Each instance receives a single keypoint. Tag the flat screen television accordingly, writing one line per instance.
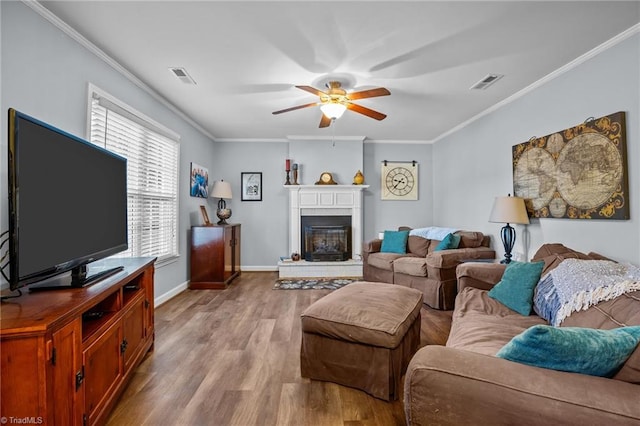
(67, 205)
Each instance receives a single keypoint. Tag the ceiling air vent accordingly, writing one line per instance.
(182, 75)
(486, 82)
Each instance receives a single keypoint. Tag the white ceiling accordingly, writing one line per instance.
(246, 57)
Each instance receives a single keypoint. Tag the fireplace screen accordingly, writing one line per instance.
(326, 243)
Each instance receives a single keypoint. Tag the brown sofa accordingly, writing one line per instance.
(432, 272)
(464, 383)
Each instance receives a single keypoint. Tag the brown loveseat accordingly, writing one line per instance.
(432, 272)
(465, 383)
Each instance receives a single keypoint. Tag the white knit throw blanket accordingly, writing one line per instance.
(577, 284)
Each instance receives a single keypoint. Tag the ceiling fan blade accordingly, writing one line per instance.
(366, 111)
(312, 90)
(325, 121)
(380, 91)
(295, 108)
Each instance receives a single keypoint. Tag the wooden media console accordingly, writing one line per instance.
(68, 354)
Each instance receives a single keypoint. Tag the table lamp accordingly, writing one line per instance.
(222, 190)
(508, 210)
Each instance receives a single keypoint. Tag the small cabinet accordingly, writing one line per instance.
(215, 256)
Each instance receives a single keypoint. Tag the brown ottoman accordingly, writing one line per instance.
(363, 336)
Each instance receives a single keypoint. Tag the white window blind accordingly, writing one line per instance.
(152, 175)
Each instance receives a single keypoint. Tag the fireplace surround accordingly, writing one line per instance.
(324, 201)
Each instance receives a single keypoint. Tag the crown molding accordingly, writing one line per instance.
(558, 72)
(293, 138)
(252, 140)
(399, 141)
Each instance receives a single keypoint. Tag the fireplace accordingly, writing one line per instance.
(326, 243)
(320, 205)
(325, 238)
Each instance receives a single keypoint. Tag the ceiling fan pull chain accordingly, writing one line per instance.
(333, 132)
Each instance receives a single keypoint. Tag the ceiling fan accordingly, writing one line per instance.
(336, 100)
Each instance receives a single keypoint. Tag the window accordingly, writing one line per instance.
(152, 153)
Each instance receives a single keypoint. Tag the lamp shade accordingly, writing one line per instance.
(333, 109)
(509, 210)
(221, 189)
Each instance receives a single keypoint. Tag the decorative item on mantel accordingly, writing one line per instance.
(222, 190)
(326, 178)
(294, 168)
(358, 179)
(287, 168)
(508, 210)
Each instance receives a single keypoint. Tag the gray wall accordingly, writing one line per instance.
(264, 224)
(389, 214)
(473, 165)
(44, 73)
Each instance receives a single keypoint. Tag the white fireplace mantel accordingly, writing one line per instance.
(326, 200)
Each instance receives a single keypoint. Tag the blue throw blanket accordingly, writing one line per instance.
(433, 232)
(577, 284)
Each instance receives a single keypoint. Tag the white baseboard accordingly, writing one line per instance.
(269, 268)
(163, 298)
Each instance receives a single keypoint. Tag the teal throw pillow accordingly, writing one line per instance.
(395, 242)
(450, 241)
(516, 288)
(578, 350)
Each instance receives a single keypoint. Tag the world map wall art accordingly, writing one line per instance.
(577, 173)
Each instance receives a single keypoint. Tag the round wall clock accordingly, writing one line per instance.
(399, 181)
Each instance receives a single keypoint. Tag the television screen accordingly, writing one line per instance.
(67, 201)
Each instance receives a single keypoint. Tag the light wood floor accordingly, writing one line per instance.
(231, 357)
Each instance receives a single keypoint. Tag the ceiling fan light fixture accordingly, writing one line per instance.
(333, 110)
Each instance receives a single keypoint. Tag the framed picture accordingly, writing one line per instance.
(199, 182)
(251, 186)
(205, 216)
(575, 173)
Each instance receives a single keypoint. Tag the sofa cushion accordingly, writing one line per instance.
(630, 371)
(376, 314)
(383, 260)
(418, 245)
(452, 258)
(515, 289)
(554, 253)
(549, 249)
(469, 239)
(415, 266)
(484, 325)
(552, 261)
(395, 242)
(622, 311)
(573, 349)
(451, 241)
